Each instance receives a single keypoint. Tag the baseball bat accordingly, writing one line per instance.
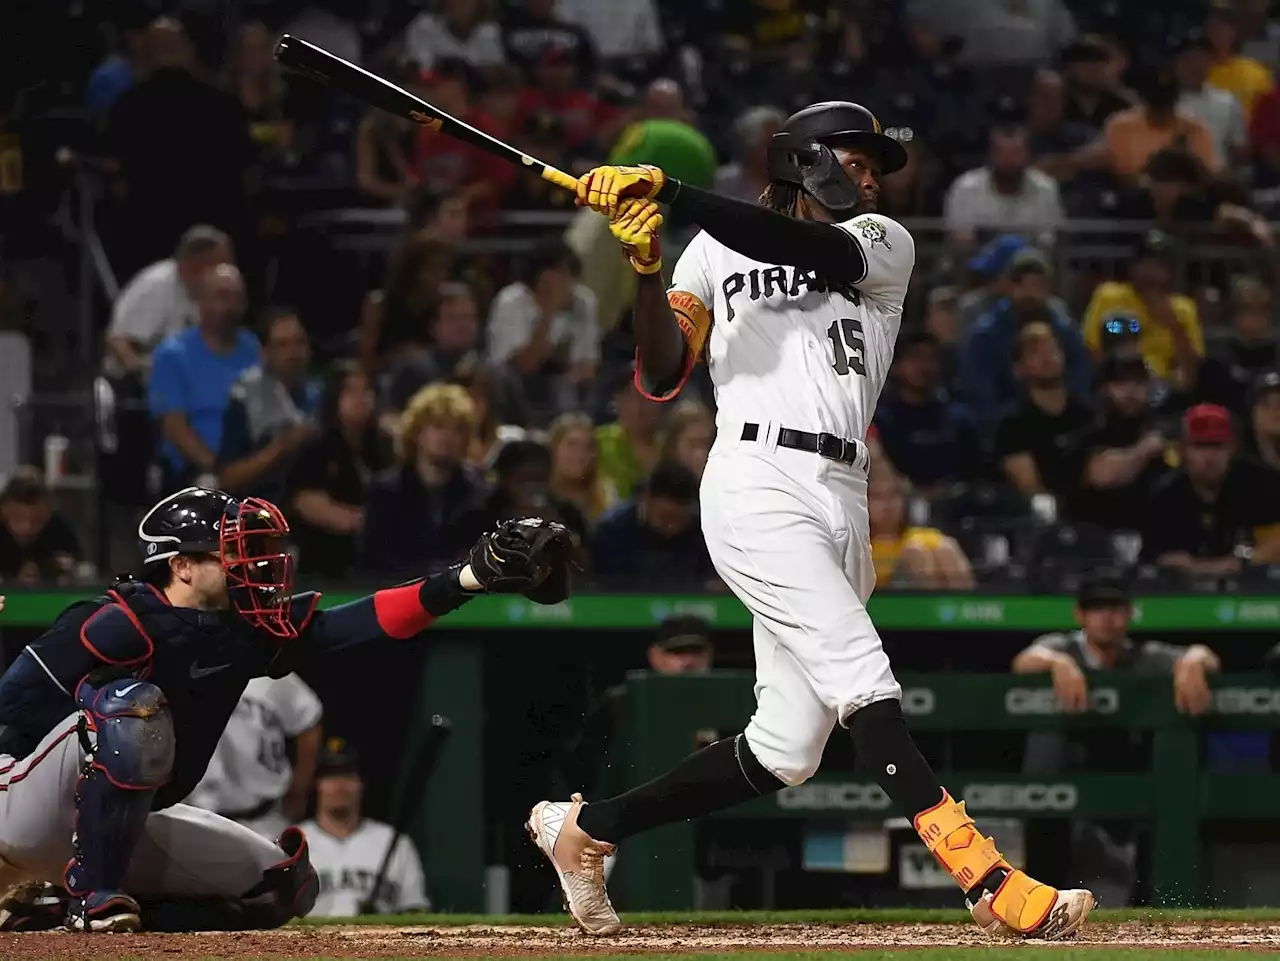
(322, 66)
(415, 786)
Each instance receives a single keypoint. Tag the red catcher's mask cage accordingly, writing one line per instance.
(251, 545)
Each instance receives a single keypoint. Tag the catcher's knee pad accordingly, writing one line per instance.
(790, 753)
(288, 889)
(126, 731)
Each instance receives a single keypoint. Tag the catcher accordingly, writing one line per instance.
(109, 719)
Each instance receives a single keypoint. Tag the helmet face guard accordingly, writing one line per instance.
(251, 546)
(813, 167)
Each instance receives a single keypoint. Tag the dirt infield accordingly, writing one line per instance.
(543, 941)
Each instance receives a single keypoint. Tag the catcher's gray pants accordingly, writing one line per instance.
(184, 851)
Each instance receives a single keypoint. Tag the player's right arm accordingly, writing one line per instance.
(671, 325)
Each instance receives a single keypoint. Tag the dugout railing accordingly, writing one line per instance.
(666, 717)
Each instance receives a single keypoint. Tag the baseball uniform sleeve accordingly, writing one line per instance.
(692, 274)
(407, 877)
(1157, 657)
(297, 705)
(888, 255)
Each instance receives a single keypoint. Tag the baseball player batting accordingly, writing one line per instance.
(109, 719)
(795, 305)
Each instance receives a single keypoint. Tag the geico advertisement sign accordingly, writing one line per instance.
(1247, 700)
(978, 797)
(1021, 701)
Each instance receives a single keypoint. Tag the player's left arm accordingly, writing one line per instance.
(410, 881)
(750, 229)
(531, 556)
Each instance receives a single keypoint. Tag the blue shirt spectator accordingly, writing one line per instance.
(192, 374)
(926, 435)
(986, 370)
(653, 541)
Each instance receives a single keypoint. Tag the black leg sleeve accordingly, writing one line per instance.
(717, 777)
(885, 748)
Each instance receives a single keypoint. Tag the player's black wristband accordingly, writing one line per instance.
(441, 593)
(765, 235)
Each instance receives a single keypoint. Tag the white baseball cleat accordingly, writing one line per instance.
(1069, 912)
(579, 862)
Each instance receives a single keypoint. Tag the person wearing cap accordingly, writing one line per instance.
(1249, 351)
(1216, 511)
(347, 848)
(1038, 441)
(1170, 336)
(1124, 450)
(1214, 107)
(1092, 93)
(1264, 419)
(1007, 193)
(1104, 854)
(987, 382)
(1243, 77)
(682, 645)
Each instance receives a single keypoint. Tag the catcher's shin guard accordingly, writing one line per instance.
(947, 830)
(126, 732)
(293, 885)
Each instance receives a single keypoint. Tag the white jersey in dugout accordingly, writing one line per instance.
(348, 866)
(783, 350)
(251, 764)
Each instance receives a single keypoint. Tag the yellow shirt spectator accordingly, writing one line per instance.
(1155, 341)
(1243, 77)
(885, 551)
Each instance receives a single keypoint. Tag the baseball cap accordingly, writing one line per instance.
(993, 259)
(1154, 243)
(682, 633)
(1089, 48)
(1268, 383)
(1193, 39)
(1028, 261)
(337, 757)
(1102, 590)
(1207, 424)
(1123, 365)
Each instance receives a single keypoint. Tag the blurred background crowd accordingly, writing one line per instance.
(214, 273)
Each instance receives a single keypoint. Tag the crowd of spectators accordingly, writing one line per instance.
(1125, 410)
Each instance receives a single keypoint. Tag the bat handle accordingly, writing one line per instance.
(560, 178)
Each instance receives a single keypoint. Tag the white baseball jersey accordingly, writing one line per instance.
(784, 350)
(348, 867)
(250, 764)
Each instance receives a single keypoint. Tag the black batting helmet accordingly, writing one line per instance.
(800, 153)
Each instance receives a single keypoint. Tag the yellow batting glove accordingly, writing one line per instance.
(603, 188)
(636, 227)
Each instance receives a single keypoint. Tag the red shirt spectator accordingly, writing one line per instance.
(583, 119)
(444, 163)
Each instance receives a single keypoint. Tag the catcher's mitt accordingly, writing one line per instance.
(530, 556)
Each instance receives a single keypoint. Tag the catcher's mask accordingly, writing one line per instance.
(801, 152)
(251, 545)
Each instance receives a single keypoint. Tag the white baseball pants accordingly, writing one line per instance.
(184, 850)
(788, 533)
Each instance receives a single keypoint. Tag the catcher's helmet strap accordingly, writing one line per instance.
(812, 166)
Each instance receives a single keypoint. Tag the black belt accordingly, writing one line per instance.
(261, 810)
(824, 445)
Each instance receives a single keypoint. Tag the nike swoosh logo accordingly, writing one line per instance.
(125, 691)
(198, 672)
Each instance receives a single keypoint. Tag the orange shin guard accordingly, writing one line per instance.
(947, 830)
